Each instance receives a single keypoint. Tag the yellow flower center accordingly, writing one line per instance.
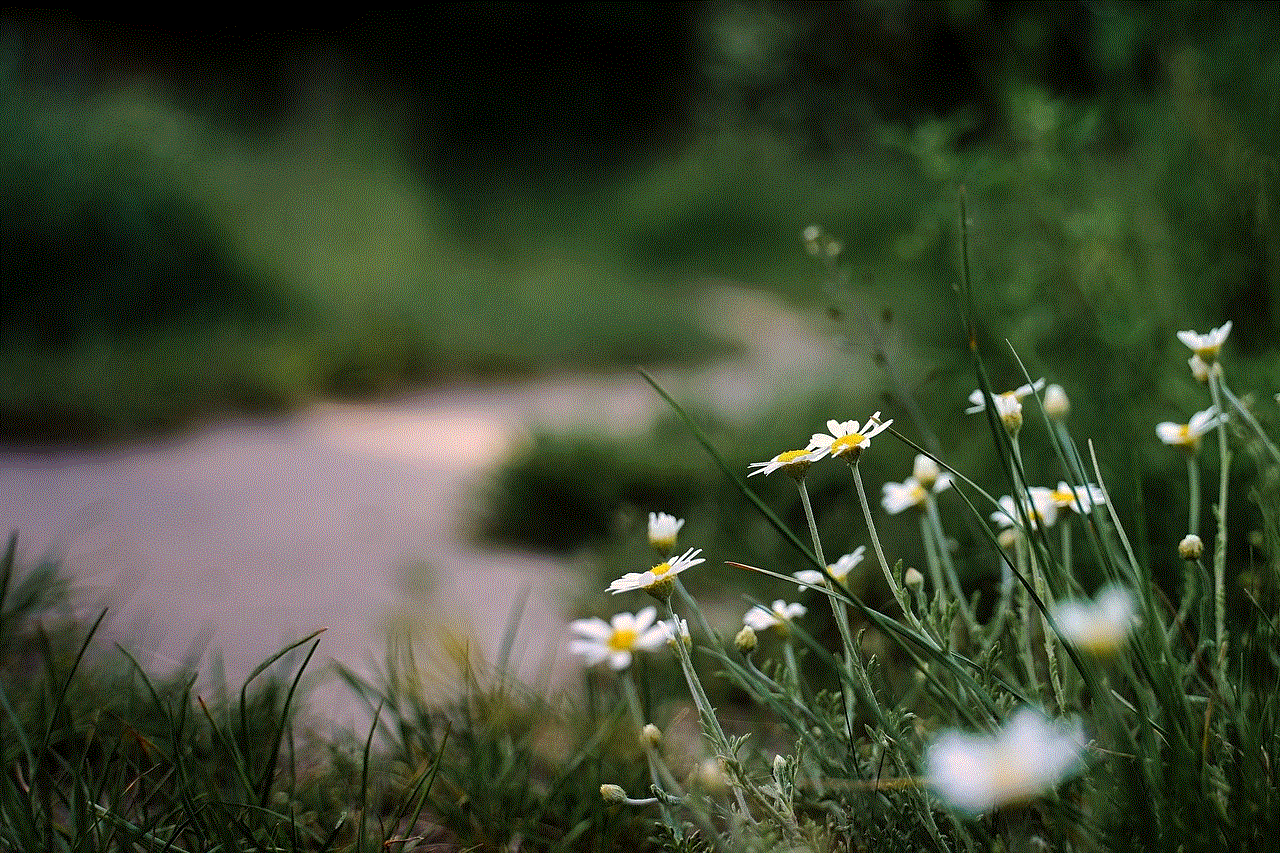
(1064, 498)
(623, 639)
(845, 443)
(918, 494)
(661, 569)
(791, 456)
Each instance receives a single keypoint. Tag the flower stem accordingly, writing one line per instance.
(838, 612)
(651, 753)
(1193, 495)
(1220, 541)
(896, 590)
(948, 566)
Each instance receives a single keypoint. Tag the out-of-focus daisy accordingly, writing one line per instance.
(1200, 370)
(616, 640)
(1041, 509)
(1029, 757)
(839, 569)
(760, 618)
(1188, 435)
(663, 529)
(1064, 497)
(978, 403)
(913, 491)
(1099, 626)
(928, 474)
(659, 574)
(794, 462)
(1207, 345)
(904, 495)
(847, 437)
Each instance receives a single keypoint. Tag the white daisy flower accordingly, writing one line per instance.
(847, 436)
(760, 618)
(1099, 626)
(1041, 509)
(663, 529)
(929, 474)
(904, 495)
(794, 462)
(839, 569)
(1188, 435)
(1064, 497)
(660, 573)
(1206, 346)
(1029, 757)
(978, 402)
(913, 490)
(616, 640)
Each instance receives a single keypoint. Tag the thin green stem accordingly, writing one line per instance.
(894, 588)
(650, 752)
(1193, 495)
(948, 565)
(1050, 650)
(1220, 540)
(838, 612)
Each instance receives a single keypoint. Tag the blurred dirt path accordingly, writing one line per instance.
(251, 533)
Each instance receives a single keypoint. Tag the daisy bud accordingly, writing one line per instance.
(1190, 548)
(651, 735)
(1056, 404)
(746, 640)
(1008, 538)
(912, 577)
(613, 793)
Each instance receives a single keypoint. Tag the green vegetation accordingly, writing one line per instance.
(99, 755)
(159, 267)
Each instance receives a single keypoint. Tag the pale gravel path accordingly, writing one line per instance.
(252, 533)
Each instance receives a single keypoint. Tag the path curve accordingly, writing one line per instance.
(251, 533)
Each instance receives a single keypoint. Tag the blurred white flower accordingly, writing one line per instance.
(616, 640)
(1089, 495)
(1099, 626)
(794, 462)
(978, 403)
(904, 495)
(928, 474)
(1201, 371)
(839, 569)
(847, 436)
(760, 618)
(1207, 345)
(1041, 509)
(1188, 435)
(661, 573)
(1029, 757)
(663, 529)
